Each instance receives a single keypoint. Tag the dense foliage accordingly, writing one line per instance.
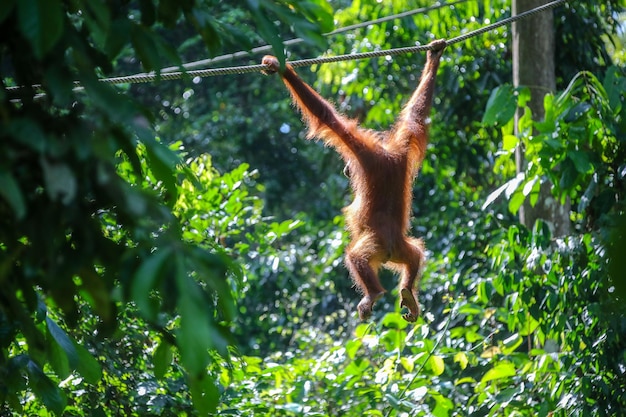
(175, 249)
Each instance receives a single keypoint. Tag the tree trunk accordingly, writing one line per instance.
(533, 67)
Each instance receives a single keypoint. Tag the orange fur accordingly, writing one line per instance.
(382, 167)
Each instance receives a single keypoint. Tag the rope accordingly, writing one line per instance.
(246, 69)
(323, 60)
(289, 42)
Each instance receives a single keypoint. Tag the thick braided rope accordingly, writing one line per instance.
(246, 69)
(295, 41)
(322, 60)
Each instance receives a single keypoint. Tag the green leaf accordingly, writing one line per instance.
(88, 366)
(57, 358)
(503, 369)
(98, 19)
(267, 29)
(207, 26)
(63, 341)
(581, 161)
(46, 390)
(509, 142)
(614, 85)
(511, 343)
(204, 394)
(28, 133)
(145, 45)
(501, 106)
(10, 191)
(162, 359)
(145, 280)
(436, 364)
(41, 22)
(577, 112)
(394, 321)
(162, 162)
(532, 188)
(516, 201)
(461, 359)
(198, 331)
(117, 37)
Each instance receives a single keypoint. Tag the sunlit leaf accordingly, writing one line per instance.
(509, 142)
(461, 359)
(436, 364)
(511, 343)
(502, 369)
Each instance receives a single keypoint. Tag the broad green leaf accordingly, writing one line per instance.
(267, 29)
(531, 190)
(162, 162)
(57, 358)
(204, 394)
(119, 108)
(394, 321)
(569, 174)
(46, 390)
(207, 26)
(41, 22)
(407, 363)
(145, 45)
(461, 359)
(117, 37)
(511, 343)
(145, 281)
(509, 142)
(28, 133)
(98, 19)
(516, 201)
(501, 106)
(162, 359)
(352, 347)
(614, 86)
(88, 367)
(581, 161)
(523, 96)
(437, 365)
(503, 369)
(11, 193)
(63, 341)
(197, 332)
(577, 112)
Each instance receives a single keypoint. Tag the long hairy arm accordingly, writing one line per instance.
(321, 117)
(412, 127)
